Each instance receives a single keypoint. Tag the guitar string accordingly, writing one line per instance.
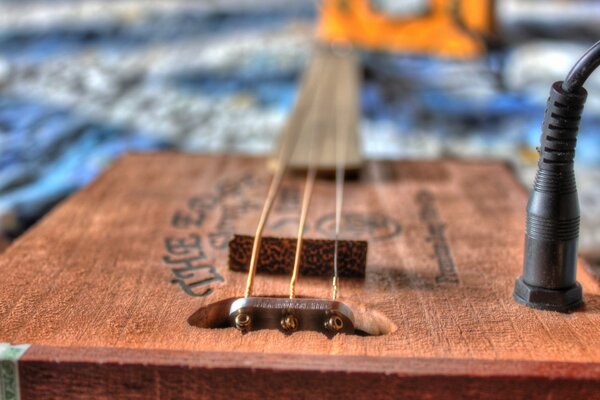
(276, 181)
(288, 144)
(340, 170)
(314, 157)
(306, 198)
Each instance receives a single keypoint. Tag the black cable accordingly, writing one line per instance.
(552, 225)
(583, 69)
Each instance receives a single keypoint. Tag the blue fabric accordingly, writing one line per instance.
(48, 151)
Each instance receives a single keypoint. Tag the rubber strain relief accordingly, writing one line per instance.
(560, 127)
(552, 227)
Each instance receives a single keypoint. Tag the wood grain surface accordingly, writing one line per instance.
(104, 286)
(53, 373)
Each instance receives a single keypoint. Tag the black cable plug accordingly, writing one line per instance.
(552, 228)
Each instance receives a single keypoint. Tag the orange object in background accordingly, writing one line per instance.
(448, 28)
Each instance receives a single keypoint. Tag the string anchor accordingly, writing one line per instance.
(334, 323)
(291, 315)
(289, 323)
(243, 322)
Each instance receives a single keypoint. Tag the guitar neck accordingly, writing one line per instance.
(328, 108)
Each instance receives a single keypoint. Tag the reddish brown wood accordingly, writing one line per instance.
(4, 243)
(106, 286)
(53, 373)
(592, 263)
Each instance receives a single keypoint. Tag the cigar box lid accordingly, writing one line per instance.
(115, 282)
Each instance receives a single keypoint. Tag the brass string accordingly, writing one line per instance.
(315, 153)
(311, 175)
(308, 190)
(272, 194)
(289, 141)
(340, 170)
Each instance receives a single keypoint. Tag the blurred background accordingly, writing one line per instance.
(84, 81)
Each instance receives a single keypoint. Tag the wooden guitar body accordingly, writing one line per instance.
(117, 289)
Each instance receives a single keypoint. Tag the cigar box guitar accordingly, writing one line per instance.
(314, 274)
